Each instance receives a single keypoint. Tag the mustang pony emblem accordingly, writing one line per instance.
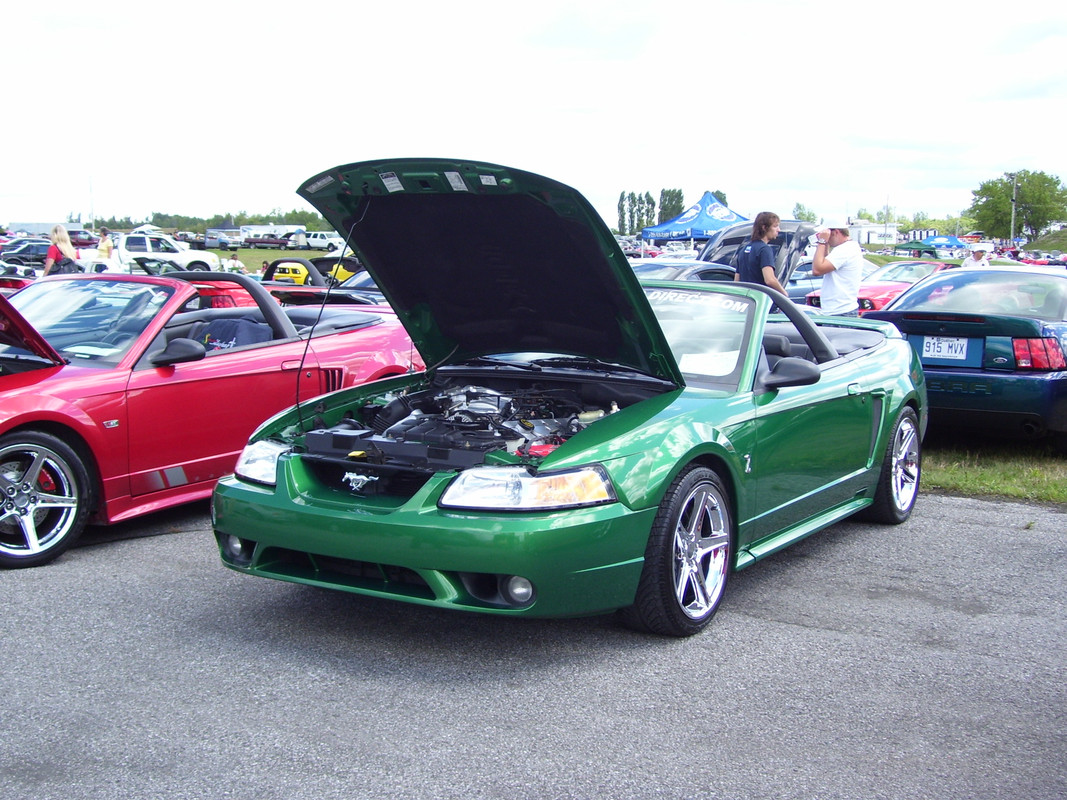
(356, 481)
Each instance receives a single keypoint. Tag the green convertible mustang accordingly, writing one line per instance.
(580, 442)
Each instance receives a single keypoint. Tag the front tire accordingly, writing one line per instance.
(45, 495)
(688, 558)
(898, 483)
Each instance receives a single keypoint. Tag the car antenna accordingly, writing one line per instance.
(318, 317)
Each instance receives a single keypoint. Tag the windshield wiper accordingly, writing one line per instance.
(489, 361)
(581, 362)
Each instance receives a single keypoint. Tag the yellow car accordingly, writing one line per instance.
(340, 267)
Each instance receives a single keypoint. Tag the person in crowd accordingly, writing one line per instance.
(839, 261)
(105, 248)
(756, 261)
(234, 264)
(61, 248)
(263, 268)
(975, 259)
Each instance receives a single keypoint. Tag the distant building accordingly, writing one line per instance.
(42, 228)
(865, 231)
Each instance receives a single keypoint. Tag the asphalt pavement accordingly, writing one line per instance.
(920, 661)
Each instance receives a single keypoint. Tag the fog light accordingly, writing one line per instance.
(517, 591)
(238, 550)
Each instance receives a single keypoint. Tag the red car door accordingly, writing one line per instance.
(189, 422)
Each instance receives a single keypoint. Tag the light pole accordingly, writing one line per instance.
(1014, 197)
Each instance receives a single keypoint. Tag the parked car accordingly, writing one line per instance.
(789, 246)
(84, 239)
(581, 443)
(324, 240)
(12, 243)
(992, 343)
(28, 253)
(888, 281)
(268, 240)
(13, 278)
(125, 394)
(680, 269)
(802, 281)
(158, 245)
(359, 289)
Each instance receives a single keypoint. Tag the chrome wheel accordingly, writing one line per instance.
(898, 480)
(701, 547)
(42, 492)
(688, 558)
(905, 464)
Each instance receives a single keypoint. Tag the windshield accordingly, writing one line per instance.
(980, 292)
(705, 330)
(902, 272)
(90, 321)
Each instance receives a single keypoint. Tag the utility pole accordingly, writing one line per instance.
(1014, 199)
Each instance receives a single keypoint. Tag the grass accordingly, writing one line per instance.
(253, 259)
(965, 464)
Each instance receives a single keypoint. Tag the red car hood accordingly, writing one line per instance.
(881, 287)
(15, 331)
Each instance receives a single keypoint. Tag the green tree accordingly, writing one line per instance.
(624, 229)
(720, 195)
(671, 204)
(865, 214)
(1039, 199)
(804, 214)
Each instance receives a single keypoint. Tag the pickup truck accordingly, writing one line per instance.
(132, 245)
(324, 240)
(268, 240)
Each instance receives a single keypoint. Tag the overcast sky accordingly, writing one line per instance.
(130, 108)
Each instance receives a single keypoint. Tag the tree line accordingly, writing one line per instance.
(1038, 200)
(310, 220)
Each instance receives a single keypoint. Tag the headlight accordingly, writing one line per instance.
(259, 462)
(517, 489)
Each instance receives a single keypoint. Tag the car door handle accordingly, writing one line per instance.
(855, 388)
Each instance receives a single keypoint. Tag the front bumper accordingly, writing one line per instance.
(579, 561)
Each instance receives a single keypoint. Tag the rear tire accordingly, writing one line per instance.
(898, 483)
(688, 558)
(45, 497)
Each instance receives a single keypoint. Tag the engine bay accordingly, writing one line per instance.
(456, 428)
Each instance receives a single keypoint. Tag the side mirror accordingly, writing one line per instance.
(792, 372)
(178, 351)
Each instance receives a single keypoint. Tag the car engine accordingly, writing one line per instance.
(454, 428)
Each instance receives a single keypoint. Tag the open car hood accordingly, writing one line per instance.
(16, 331)
(479, 259)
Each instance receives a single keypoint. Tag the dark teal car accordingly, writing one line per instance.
(992, 343)
(581, 442)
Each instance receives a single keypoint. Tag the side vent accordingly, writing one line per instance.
(333, 378)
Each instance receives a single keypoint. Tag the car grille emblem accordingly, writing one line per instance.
(356, 481)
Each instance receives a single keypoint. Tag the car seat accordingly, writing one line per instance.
(224, 334)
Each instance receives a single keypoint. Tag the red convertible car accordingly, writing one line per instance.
(882, 285)
(126, 394)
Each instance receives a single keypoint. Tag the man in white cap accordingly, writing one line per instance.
(976, 259)
(840, 261)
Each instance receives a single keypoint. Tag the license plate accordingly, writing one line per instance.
(951, 347)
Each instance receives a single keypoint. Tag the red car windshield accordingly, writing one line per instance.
(91, 322)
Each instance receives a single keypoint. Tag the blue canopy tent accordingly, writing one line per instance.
(700, 221)
(947, 246)
(945, 242)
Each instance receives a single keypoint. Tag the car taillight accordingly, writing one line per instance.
(1038, 354)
